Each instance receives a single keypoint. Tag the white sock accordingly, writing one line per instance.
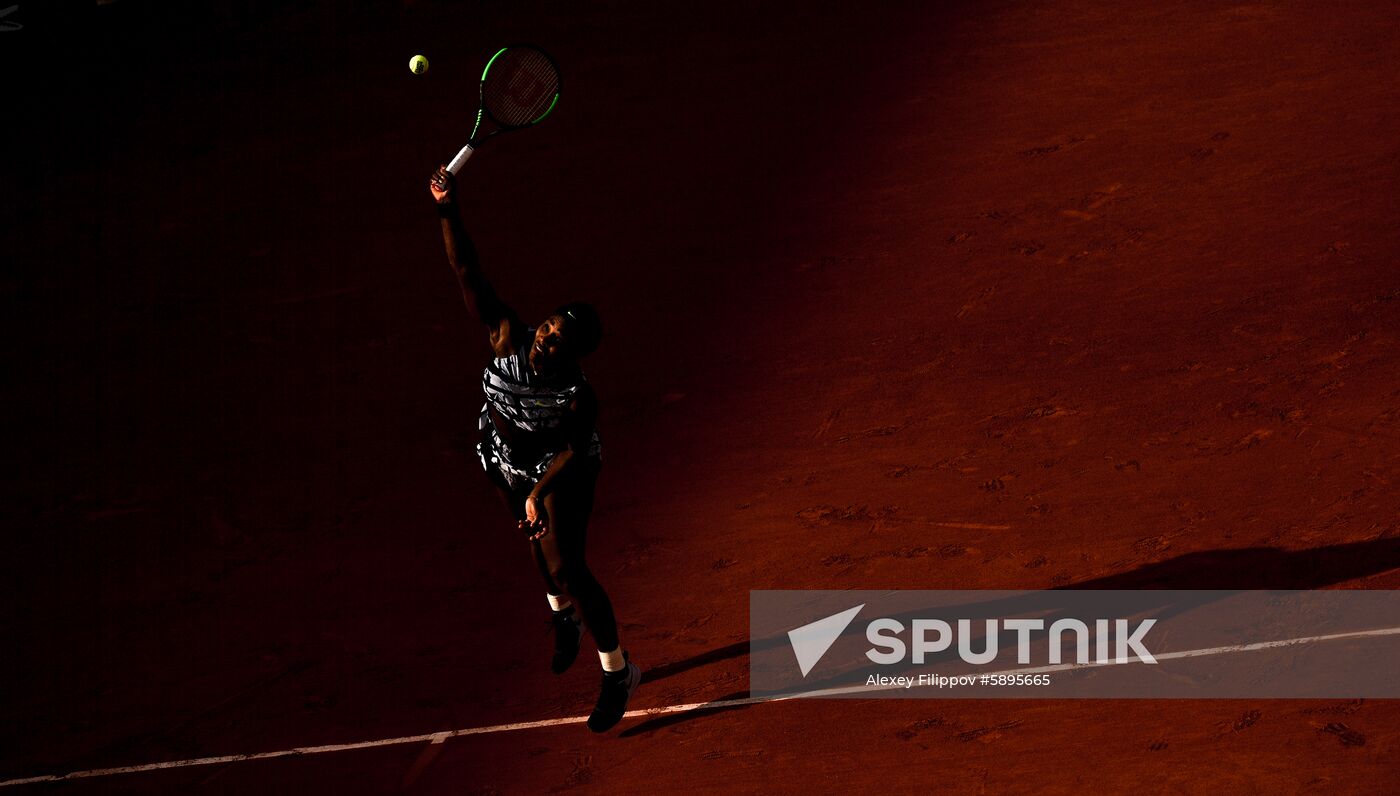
(559, 602)
(612, 661)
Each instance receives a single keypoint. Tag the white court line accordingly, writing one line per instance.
(443, 736)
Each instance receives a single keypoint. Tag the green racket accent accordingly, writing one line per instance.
(547, 111)
(492, 61)
(479, 111)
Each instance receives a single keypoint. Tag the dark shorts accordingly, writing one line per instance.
(512, 476)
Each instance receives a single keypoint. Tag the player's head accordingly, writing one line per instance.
(571, 333)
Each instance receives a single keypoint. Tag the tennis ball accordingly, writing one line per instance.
(418, 64)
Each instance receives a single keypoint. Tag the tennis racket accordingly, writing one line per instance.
(519, 88)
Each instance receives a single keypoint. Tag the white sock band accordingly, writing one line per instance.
(559, 602)
(612, 661)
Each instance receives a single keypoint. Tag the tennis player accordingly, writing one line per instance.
(539, 446)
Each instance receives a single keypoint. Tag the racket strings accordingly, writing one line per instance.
(520, 87)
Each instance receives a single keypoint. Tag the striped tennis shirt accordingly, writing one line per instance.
(536, 404)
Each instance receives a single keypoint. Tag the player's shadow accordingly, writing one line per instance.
(1258, 568)
(1244, 569)
(712, 656)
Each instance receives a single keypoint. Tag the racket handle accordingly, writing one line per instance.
(461, 159)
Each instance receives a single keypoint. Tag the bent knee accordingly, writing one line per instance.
(559, 574)
(571, 576)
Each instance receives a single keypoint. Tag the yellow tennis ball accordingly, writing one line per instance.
(418, 64)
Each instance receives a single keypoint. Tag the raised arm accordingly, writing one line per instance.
(480, 296)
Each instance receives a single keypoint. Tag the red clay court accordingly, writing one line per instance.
(997, 295)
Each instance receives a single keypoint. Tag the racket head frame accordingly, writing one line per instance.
(482, 112)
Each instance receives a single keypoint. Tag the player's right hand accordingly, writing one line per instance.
(534, 523)
(441, 185)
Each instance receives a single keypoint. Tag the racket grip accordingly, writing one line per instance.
(461, 159)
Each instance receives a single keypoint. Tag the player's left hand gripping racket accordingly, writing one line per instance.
(519, 88)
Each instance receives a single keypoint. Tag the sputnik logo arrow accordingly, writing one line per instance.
(810, 642)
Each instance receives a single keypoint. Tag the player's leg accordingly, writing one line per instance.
(568, 632)
(569, 508)
(561, 553)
